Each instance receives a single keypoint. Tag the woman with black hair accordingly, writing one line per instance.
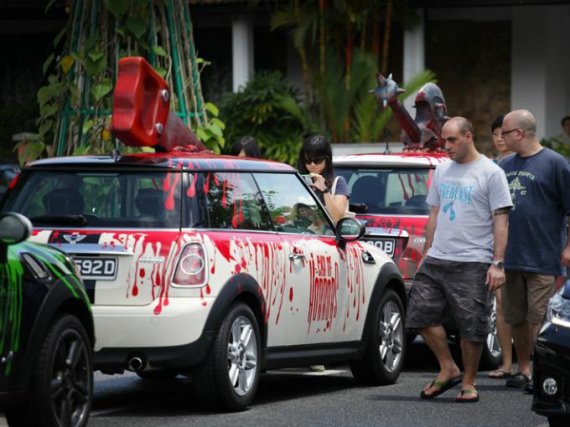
(246, 147)
(315, 160)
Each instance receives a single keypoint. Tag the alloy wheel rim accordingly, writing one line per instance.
(492, 339)
(391, 336)
(242, 355)
(70, 387)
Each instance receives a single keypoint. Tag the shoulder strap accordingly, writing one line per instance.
(333, 189)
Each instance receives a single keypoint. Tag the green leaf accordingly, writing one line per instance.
(158, 50)
(217, 122)
(45, 127)
(136, 27)
(49, 110)
(202, 135)
(87, 125)
(47, 63)
(94, 68)
(95, 55)
(215, 130)
(161, 71)
(117, 7)
(100, 90)
(211, 108)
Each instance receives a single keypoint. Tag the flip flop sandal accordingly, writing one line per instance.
(499, 374)
(443, 386)
(468, 392)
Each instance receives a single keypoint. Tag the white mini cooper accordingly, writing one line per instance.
(214, 266)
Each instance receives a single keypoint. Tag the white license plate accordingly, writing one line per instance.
(97, 268)
(387, 245)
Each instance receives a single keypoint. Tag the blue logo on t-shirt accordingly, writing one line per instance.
(454, 192)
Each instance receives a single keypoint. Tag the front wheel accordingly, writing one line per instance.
(559, 421)
(62, 383)
(384, 356)
(228, 377)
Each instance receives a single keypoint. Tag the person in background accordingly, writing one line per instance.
(315, 160)
(466, 236)
(503, 328)
(246, 147)
(538, 248)
(502, 149)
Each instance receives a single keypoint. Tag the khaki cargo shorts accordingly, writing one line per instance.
(526, 295)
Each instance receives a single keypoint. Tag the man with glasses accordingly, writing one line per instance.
(539, 181)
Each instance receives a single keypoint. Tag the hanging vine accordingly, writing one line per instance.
(75, 104)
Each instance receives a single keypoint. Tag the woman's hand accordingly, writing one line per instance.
(319, 182)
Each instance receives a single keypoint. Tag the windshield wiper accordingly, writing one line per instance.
(60, 219)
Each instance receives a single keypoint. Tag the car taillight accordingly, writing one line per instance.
(191, 269)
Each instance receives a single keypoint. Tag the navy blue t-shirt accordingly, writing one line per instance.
(540, 190)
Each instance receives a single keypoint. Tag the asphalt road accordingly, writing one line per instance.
(303, 398)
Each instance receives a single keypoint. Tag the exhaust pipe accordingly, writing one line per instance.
(135, 364)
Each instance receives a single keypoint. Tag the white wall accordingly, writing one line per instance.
(540, 64)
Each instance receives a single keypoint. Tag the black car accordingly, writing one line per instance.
(551, 363)
(46, 332)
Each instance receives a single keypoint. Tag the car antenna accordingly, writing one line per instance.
(387, 149)
(116, 154)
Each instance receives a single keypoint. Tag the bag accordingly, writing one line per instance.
(347, 214)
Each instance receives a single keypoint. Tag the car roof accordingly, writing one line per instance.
(410, 159)
(174, 160)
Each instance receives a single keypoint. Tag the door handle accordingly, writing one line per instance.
(294, 257)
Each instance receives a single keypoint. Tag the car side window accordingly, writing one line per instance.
(292, 207)
(233, 202)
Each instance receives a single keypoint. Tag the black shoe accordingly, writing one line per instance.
(528, 388)
(518, 380)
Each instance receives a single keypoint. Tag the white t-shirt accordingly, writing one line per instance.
(467, 196)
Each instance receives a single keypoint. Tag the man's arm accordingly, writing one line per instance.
(495, 274)
(430, 228)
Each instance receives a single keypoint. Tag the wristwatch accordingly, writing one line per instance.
(499, 264)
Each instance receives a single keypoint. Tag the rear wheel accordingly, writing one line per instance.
(492, 353)
(62, 383)
(228, 377)
(384, 357)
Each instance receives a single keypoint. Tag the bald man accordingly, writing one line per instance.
(537, 250)
(466, 237)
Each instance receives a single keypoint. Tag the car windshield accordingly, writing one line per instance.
(98, 199)
(392, 191)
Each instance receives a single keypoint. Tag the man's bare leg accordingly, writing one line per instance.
(436, 339)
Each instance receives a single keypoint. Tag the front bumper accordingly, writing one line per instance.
(551, 369)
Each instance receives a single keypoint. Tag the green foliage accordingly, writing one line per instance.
(76, 101)
(556, 145)
(268, 109)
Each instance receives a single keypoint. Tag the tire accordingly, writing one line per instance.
(384, 356)
(235, 354)
(492, 353)
(559, 421)
(62, 382)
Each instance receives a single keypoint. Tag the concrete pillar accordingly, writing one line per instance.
(414, 55)
(242, 51)
(540, 64)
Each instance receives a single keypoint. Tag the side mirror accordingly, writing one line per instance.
(14, 228)
(350, 229)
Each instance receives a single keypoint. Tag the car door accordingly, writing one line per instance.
(317, 274)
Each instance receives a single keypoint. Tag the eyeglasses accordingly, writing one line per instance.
(315, 160)
(505, 132)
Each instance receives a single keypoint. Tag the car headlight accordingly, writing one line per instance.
(558, 311)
